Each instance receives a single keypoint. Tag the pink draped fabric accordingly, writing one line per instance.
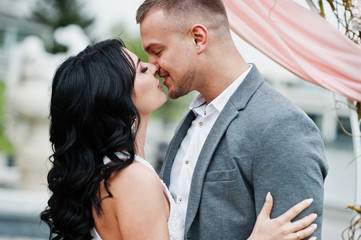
(300, 41)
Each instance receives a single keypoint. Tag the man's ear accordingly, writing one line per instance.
(199, 34)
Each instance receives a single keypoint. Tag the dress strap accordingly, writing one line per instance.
(144, 162)
(106, 160)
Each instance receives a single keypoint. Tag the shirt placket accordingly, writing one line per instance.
(187, 169)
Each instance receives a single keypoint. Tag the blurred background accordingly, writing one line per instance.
(37, 35)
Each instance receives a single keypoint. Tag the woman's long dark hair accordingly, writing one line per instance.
(92, 114)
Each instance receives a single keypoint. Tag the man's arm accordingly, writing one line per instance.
(291, 164)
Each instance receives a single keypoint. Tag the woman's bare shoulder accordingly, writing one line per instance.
(134, 174)
(135, 181)
(138, 197)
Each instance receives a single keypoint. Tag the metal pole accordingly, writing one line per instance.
(356, 137)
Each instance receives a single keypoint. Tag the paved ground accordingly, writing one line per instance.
(19, 215)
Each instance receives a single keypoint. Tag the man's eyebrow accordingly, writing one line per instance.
(138, 62)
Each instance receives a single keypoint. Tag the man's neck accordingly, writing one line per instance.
(222, 75)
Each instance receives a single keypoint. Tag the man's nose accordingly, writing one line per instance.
(152, 60)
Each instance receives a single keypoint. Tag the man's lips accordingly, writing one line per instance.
(165, 80)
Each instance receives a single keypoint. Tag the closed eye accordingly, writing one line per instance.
(144, 69)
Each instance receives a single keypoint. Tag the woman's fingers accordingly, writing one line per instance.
(267, 207)
(281, 228)
(307, 231)
(304, 222)
(303, 228)
(297, 209)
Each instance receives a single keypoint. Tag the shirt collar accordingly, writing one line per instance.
(198, 104)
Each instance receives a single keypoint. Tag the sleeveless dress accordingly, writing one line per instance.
(175, 222)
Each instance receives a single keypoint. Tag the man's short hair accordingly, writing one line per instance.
(183, 8)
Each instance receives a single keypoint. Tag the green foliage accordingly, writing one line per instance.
(5, 145)
(61, 13)
(173, 110)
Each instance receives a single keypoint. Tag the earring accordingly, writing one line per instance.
(133, 128)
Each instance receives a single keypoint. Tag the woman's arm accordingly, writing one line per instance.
(140, 206)
(281, 228)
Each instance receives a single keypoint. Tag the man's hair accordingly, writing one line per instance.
(184, 8)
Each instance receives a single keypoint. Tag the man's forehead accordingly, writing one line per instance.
(153, 31)
(154, 17)
(156, 29)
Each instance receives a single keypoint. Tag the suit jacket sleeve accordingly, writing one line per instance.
(290, 163)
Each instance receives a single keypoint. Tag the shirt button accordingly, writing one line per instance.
(180, 199)
(200, 124)
(186, 161)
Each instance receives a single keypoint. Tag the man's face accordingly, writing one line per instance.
(171, 50)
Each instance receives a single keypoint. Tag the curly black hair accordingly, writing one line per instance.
(91, 116)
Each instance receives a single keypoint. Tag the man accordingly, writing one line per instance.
(241, 138)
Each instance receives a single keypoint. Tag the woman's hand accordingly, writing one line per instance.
(281, 228)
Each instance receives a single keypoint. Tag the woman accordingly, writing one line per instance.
(102, 188)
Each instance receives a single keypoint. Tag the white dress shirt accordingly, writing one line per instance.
(191, 146)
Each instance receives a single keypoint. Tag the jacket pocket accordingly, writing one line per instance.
(224, 175)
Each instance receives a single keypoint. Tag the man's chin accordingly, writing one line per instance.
(171, 96)
(175, 95)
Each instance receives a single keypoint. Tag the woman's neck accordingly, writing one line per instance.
(141, 136)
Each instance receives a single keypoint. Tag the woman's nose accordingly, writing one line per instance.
(155, 69)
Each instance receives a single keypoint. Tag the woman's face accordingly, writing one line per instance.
(147, 94)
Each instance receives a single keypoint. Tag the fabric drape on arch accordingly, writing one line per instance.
(300, 41)
(308, 46)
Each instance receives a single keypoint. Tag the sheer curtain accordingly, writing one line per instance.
(300, 41)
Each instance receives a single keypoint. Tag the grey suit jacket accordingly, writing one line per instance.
(261, 142)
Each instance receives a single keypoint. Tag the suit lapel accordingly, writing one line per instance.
(205, 156)
(174, 146)
(237, 102)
